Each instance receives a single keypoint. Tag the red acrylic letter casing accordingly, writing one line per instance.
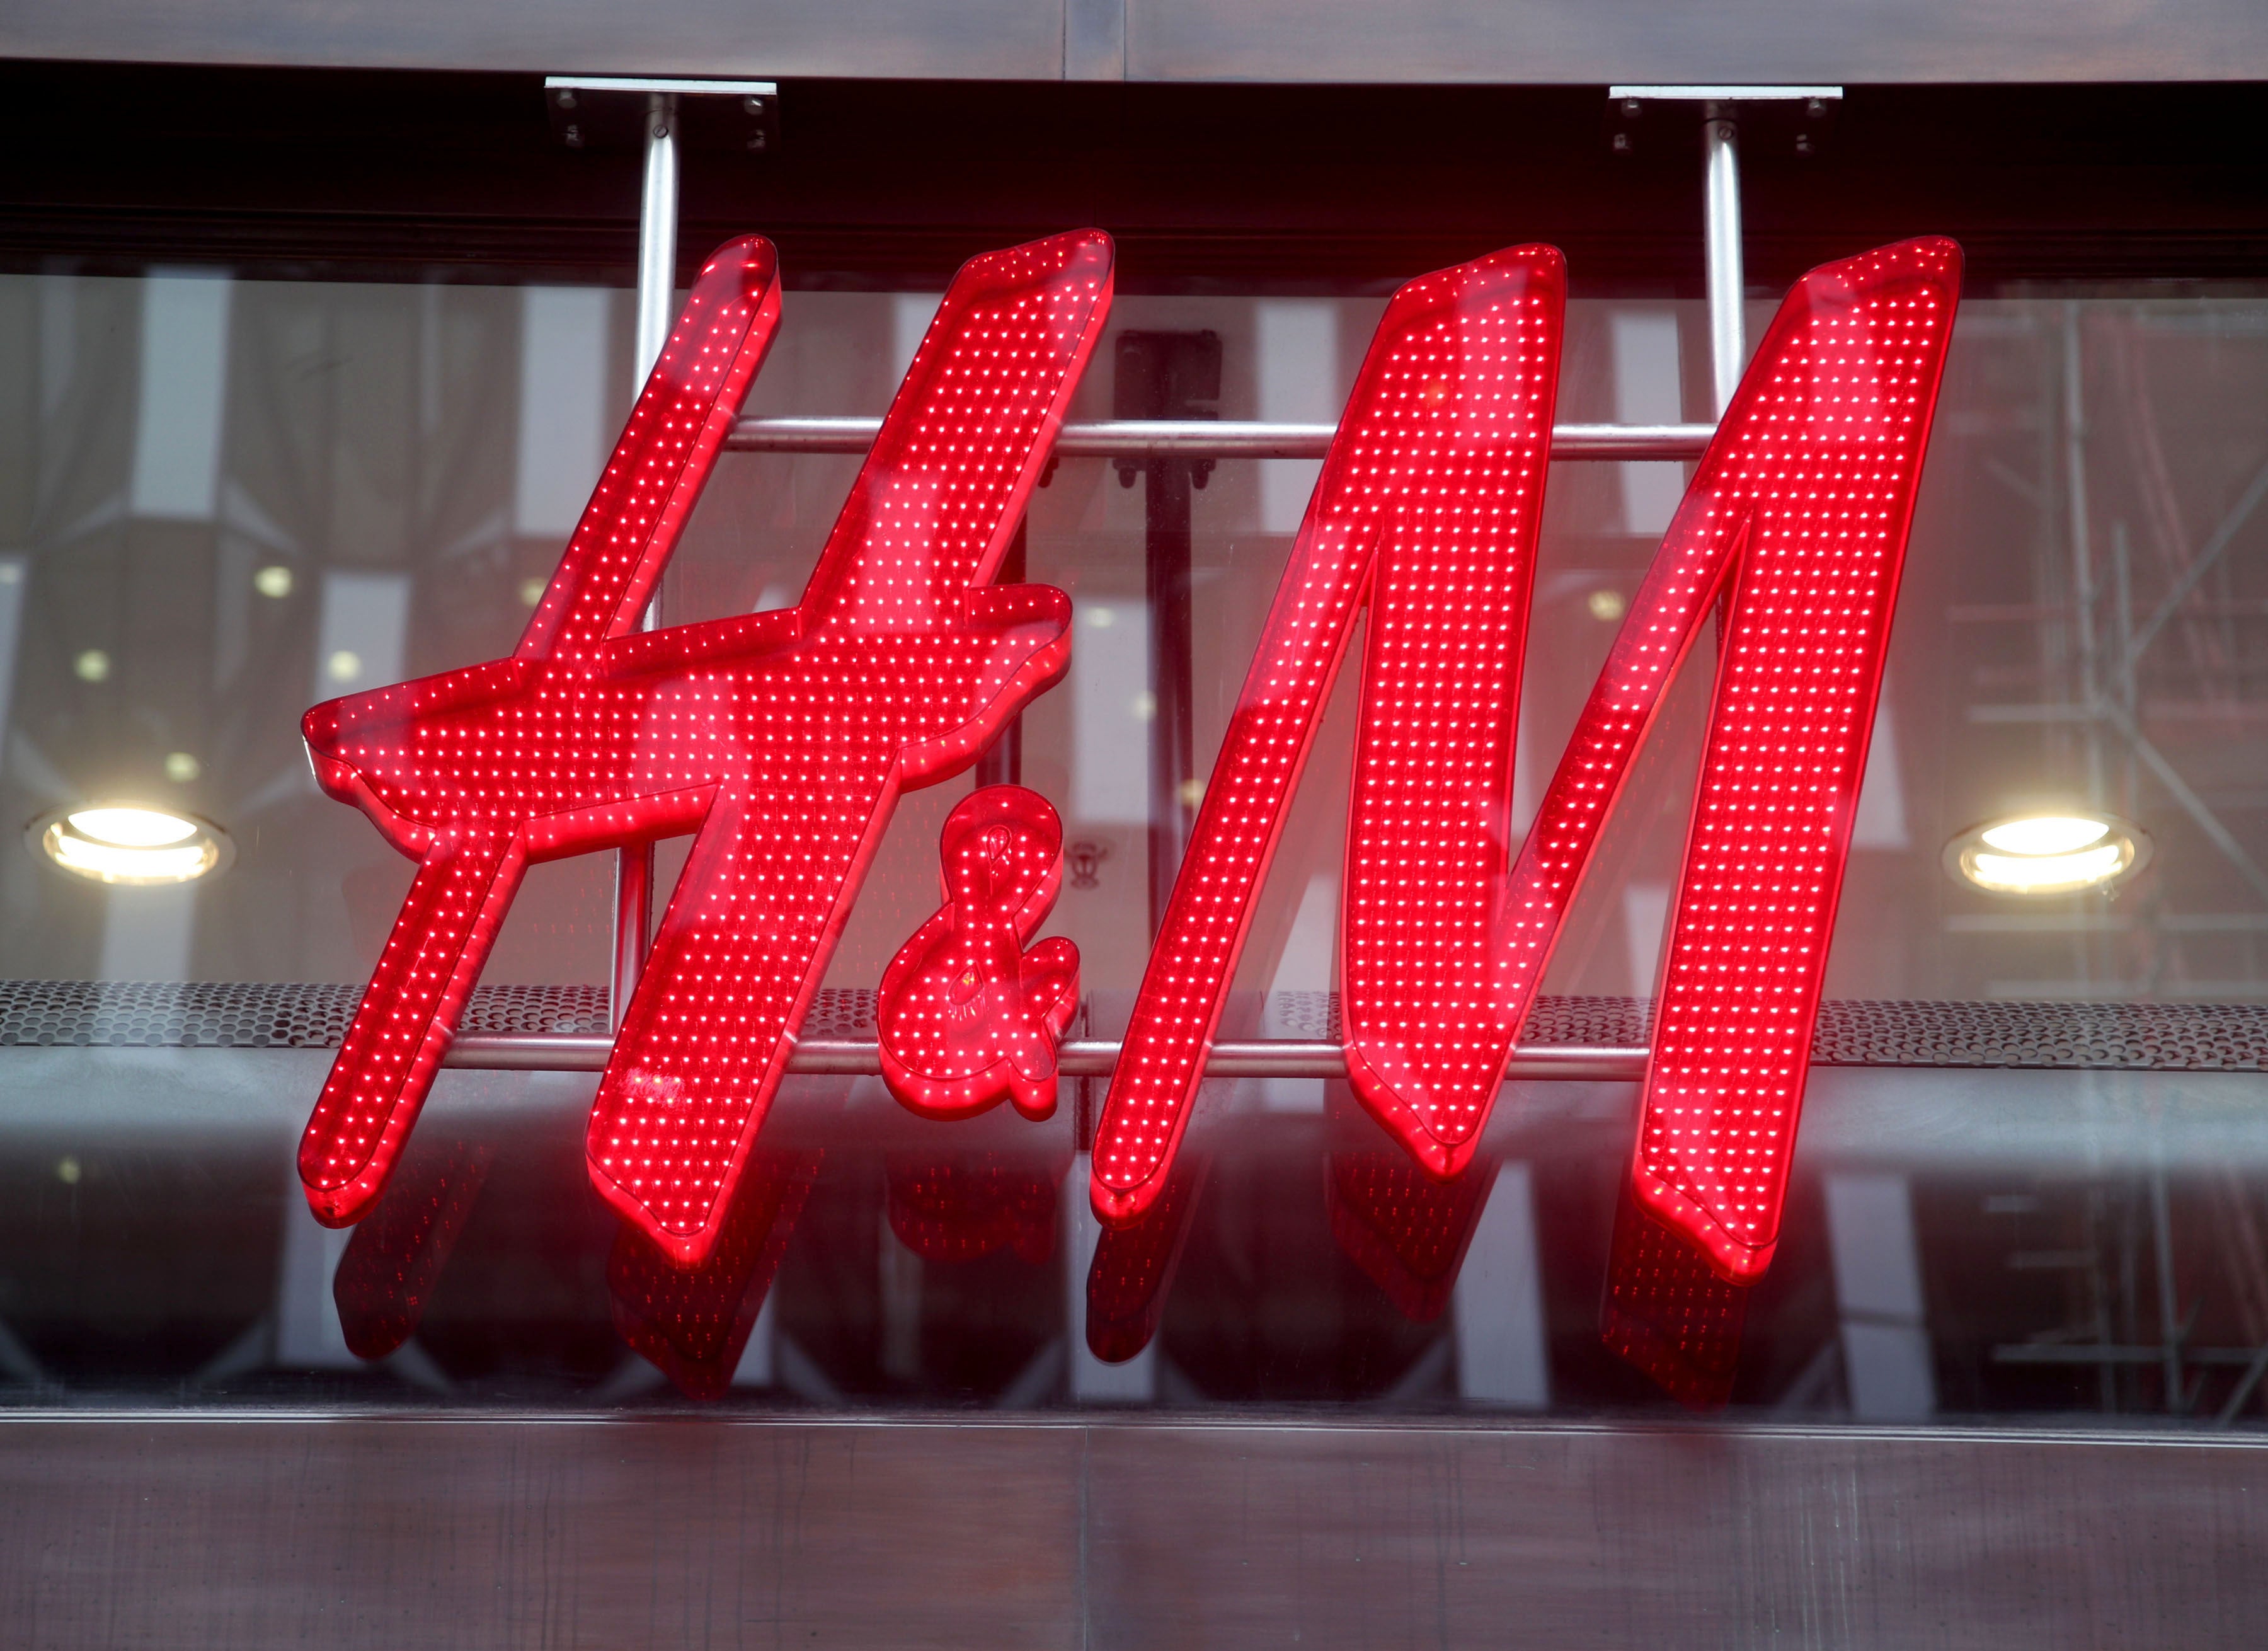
(1434, 480)
(784, 737)
(967, 1015)
(1799, 511)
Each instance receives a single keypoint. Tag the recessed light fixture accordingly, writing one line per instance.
(131, 843)
(2048, 853)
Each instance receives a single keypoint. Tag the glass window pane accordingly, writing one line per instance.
(227, 498)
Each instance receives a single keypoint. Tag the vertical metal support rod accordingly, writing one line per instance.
(656, 307)
(1721, 183)
(657, 270)
(1168, 376)
(1172, 755)
(2170, 1307)
(2122, 615)
(2082, 545)
(2106, 1376)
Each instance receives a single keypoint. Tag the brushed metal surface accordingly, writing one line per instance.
(1095, 40)
(1742, 42)
(1731, 42)
(188, 1532)
(960, 40)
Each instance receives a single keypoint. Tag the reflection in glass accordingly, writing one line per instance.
(394, 1255)
(694, 1324)
(2085, 1240)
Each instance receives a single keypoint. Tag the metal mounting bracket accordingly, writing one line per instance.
(1773, 120)
(608, 111)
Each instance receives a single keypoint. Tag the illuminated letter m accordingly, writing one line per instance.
(1795, 527)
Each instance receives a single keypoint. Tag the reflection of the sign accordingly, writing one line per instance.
(1670, 1312)
(693, 1324)
(1133, 1267)
(961, 1207)
(1406, 1230)
(1403, 1228)
(387, 1276)
(1463, 1259)
(1666, 1310)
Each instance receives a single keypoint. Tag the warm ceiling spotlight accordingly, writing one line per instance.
(2048, 853)
(130, 843)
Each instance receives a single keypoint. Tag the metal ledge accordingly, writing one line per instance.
(476, 1530)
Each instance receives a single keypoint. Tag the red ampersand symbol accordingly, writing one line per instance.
(967, 1015)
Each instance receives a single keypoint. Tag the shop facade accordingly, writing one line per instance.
(321, 331)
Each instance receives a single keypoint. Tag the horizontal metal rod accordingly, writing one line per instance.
(676, 85)
(1078, 1058)
(1208, 438)
(1724, 94)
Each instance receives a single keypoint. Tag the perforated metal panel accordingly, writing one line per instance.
(207, 1014)
(2133, 1036)
(2067, 1036)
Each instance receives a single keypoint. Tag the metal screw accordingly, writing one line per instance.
(1804, 145)
(1622, 143)
(1816, 108)
(755, 140)
(574, 137)
(1631, 109)
(566, 100)
(754, 105)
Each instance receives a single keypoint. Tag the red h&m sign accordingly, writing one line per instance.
(783, 740)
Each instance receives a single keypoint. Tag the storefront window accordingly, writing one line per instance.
(227, 498)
